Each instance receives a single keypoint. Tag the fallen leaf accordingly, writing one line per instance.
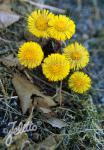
(55, 122)
(8, 18)
(48, 144)
(5, 5)
(9, 61)
(30, 94)
(45, 110)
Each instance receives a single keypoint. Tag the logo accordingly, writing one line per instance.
(15, 130)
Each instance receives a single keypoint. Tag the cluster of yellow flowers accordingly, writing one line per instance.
(56, 66)
(42, 23)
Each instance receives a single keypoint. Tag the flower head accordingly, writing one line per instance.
(38, 23)
(55, 67)
(30, 54)
(61, 27)
(79, 82)
(77, 55)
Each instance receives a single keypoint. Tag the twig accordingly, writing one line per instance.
(4, 52)
(28, 76)
(46, 6)
(10, 108)
(3, 89)
(101, 90)
(79, 5)
(13, 97)
(66, 109)
(97, 11)
(6, 41)
(11, 111)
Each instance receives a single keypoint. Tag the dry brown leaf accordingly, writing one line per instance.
(9, 61)
(8, 18)
(29, 93)
(48, 112)
(49, 143)
(45, 110)
(55, 122)
(5, 5)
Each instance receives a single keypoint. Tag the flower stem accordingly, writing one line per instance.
(60, 93)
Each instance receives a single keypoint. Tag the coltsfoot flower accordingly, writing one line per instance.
(77, 55)
(55, 67)
(61, 27)
(79, 82)
(38, 23)
(30, 54)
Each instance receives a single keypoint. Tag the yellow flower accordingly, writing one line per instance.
(55, 67)
(77, 55)
(79, 82)
(38, 23)
(30, 54)
(61, 27)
